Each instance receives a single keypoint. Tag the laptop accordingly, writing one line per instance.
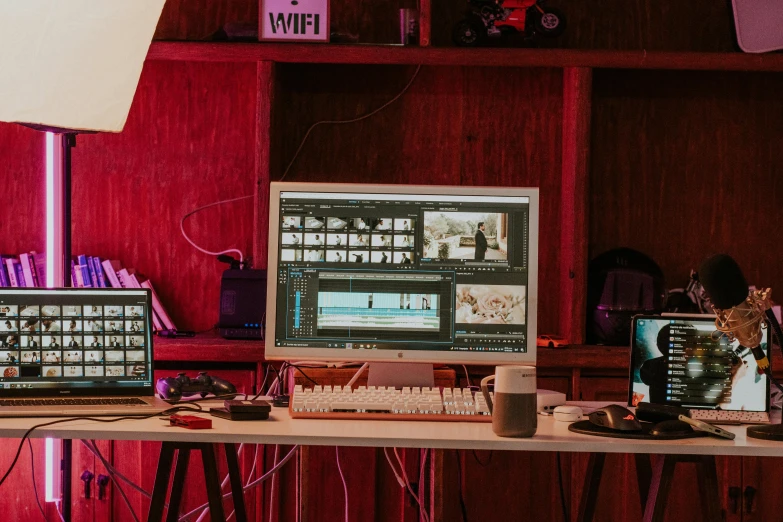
(66, 352)
(682, 360)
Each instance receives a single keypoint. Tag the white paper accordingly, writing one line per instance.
(73, 64)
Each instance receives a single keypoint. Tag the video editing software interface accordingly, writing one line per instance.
(402, 271)
(686, 362)
(70, 339)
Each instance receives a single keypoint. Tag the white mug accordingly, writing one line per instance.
(514, 407)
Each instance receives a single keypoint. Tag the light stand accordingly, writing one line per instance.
(770, 431)
(59, 144)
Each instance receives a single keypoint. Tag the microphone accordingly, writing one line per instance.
(739, 312)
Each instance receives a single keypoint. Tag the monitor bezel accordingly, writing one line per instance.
(144, 389)
(273, 352)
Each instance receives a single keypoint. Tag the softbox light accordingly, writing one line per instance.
(73, 64)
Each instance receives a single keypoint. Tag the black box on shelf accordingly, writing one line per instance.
(242, 304)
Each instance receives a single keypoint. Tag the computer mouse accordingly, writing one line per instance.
(615, 417)
(671, 428)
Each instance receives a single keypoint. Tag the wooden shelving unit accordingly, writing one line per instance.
(444, 56)
(208, 348)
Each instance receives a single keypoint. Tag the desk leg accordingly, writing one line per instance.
(659, 489)
(708, 489)
(180, 473)
(214, 492)
(643, 476)
(237, 491)
(158, 501)
(587, 503)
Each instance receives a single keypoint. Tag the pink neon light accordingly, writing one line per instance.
(50, 262)
(50, 495)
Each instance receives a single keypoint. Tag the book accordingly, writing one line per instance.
(4, 282)
(81, 263)
(93, 274)
(20, 281)
(78, 276)
(39, 260)
(96, 262)
(27, 273)
(73, 274)
(10, 264)
(124, 276)
(111, 267)
(157, 306)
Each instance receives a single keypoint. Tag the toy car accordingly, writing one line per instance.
(500, 18)
(551, 341)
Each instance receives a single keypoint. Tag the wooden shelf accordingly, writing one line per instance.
(207, 348)
(491, 57)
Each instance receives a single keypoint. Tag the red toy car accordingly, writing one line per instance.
(551, 341)
(495, 19)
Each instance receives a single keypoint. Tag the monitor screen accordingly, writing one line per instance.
(685, 361)
(397, 272)
(74, 339)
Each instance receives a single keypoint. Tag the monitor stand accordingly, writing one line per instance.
(400, 375)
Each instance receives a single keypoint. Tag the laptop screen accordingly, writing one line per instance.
(685, 361)
(75, 341)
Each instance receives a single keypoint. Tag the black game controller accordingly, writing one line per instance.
(174, 388)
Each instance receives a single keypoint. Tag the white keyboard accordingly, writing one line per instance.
(377, 403)
(731, 417)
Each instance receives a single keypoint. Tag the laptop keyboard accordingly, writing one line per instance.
(734, 417)
(129, 401)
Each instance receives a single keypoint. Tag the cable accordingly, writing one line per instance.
(356, 376)
(94, 419)
(272, 486)
(111, 469)
(459, 488)
(353, 120)
(59, 510)
(342, 476)
(394, 469)
(566, 517)
(35, 486)
(423, 512)
(194, 245)
(422, 467)
(467, 376)
(252, 485)
(299, 368)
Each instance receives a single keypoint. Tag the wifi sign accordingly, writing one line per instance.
(297, 20)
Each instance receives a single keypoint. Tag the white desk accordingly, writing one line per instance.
(281, 429)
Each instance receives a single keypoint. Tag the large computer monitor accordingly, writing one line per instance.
(402, 273)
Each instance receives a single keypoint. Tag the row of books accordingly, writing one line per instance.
(29, 270)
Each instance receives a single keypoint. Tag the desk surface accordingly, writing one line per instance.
(281, 429)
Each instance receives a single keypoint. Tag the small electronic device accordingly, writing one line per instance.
(190, 422)
(247, 406)
(671, 428)
(174, 388)
(548, 400)
(243, 410)
(242, 303)
(567, 413)
(615, 417)
(681, 360)
(647, 412)
(709, 428)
